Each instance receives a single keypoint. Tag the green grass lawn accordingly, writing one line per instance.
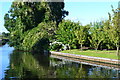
(104, 54)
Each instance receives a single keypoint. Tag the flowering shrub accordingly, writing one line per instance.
(58, 46)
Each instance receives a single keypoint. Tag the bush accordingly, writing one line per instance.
(59, 46)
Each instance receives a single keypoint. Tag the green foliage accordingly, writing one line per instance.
(65, 33)
(57, 11)
(37, 38)
(31, 24)
(97, 34)
(38, 23)
(115, 28)
(81, 34)
(4, 38)
(4, 35)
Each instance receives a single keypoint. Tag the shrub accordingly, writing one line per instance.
(59, 46)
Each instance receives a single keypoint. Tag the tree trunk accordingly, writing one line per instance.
(81, 47)
(96, 49)
(98, 45)
(117, 50)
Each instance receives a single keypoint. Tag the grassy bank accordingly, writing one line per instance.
(104, 54)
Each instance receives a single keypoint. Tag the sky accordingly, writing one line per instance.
(87, 12)
(84, 11)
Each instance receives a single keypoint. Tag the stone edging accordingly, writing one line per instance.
(99, 59)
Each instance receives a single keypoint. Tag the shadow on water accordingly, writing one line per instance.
(26, 65)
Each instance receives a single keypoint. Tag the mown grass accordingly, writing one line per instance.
(104, 54)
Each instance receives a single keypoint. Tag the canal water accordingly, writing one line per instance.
(23, 65)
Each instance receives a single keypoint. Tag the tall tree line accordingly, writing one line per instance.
(31, 24)
(104, 34)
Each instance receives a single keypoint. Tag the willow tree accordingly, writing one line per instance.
(25, 22)
(114, 31)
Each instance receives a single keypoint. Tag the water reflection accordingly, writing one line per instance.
(27, 65)
(4, 58)
(103, 73)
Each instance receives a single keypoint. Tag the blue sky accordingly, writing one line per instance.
(85, 12)
(4, 7)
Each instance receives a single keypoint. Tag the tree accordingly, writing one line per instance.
(107, 43)
(57, 11)
(5, 35)
(81, 34)
(114, 30)
(26, 19)
(65, 33)
(96, 34)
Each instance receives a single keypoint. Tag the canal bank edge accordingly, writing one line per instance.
(98, 59)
